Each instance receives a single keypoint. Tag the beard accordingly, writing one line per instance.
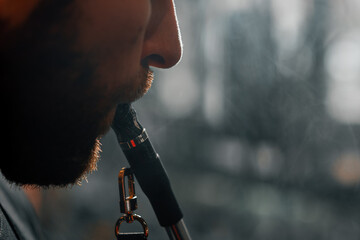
(55, 135)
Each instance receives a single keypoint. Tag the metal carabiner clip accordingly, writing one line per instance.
(135, 235)
(128, 204)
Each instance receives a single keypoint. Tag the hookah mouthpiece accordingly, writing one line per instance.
(146, 165)
(125, 123)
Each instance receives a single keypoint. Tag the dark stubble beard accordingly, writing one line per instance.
(57, 142)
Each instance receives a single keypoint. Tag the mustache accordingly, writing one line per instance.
(146, 79)
(141, 82)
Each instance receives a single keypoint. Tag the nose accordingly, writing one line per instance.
(162, 46)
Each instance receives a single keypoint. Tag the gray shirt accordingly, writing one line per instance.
(18, 220)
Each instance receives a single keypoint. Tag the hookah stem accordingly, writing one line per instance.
(149, 171)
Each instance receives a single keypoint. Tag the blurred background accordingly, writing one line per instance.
(258, 128)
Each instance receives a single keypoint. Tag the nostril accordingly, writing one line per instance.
(155, 60)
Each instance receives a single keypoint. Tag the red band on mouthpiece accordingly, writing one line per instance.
(133, 143)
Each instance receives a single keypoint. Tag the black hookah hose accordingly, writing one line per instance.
(149, 171)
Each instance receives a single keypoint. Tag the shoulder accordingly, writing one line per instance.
(18, 215)
(6, 230)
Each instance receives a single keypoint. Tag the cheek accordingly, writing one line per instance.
(108, 26)
(110, 35)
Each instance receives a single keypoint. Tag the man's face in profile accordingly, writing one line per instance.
(66, 65)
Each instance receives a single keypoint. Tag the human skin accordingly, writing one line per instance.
(66, 64)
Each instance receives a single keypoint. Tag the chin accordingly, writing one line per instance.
(44, 168)
(52, 150)
(105, 124)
